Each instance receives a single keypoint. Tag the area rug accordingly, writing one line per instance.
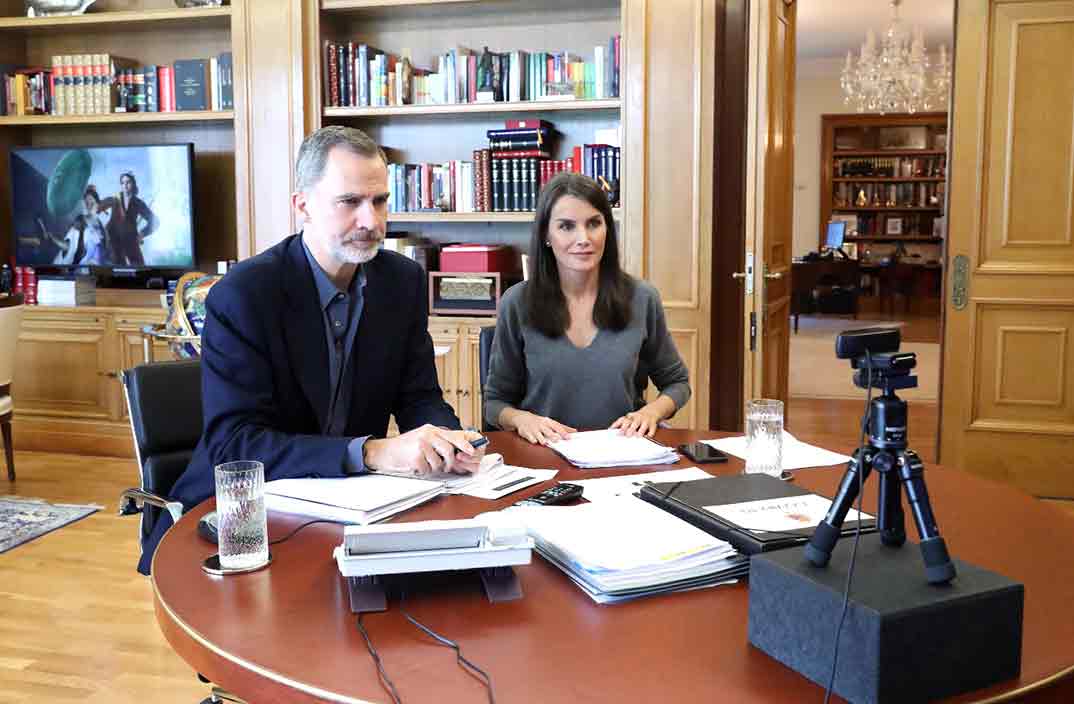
(22, 520)
(815, 372)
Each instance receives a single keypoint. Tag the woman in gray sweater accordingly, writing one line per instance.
(576, 345)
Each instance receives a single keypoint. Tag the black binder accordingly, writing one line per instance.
(687, 498)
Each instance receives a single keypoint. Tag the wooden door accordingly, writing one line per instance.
(1008, 360)
(773, 169)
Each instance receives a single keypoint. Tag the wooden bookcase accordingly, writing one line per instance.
(66, 392)
(146, 32)
(425, 29)
(888, 172)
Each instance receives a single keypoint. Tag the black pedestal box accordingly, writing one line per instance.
(904, 640)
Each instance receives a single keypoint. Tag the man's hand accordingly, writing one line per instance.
(541, 430)
(425, 450)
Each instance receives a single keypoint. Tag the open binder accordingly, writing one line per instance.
(694, 501)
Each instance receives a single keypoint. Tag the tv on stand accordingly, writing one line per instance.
(122, 212)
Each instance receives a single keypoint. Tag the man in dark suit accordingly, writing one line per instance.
(309, 346)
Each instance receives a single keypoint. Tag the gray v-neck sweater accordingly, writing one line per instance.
(586, 388)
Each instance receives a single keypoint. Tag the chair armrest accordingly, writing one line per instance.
(132, 500)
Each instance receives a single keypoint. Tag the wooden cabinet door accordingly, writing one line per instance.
(447, 351)
(63, 359)
(470, 373)
(1008, 354)
(131, 351)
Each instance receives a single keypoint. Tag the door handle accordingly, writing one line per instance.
(739, 275)
(773, 275)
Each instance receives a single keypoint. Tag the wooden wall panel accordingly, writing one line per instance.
(669, 124)
(1023, 372)
(1029, 171)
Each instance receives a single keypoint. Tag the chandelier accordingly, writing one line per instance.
(897, 77)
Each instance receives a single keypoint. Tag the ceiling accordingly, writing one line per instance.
(829, 28)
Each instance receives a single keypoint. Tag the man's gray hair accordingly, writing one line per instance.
(313, 154)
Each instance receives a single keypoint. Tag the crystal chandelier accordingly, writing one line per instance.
(897, 77)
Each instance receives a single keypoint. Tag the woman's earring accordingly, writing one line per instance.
(547, 243)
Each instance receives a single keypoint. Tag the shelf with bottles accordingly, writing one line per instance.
(871, 195)
(893, 167)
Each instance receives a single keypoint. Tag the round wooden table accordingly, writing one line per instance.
(286, 633)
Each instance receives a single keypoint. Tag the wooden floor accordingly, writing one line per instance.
(76, 619)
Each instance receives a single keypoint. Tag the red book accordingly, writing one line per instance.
(576, 161)
(471, 78)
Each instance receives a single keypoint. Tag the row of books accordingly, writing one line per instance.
(358, 75)
(97, 84)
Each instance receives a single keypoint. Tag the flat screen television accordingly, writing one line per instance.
(122, 210)
(836, 234)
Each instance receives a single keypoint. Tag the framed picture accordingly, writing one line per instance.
(910, 137)
(893, 226)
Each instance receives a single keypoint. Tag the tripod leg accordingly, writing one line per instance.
(938, 566)
(891, 521)
(820, 546)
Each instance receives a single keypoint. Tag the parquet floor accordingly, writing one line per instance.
(76, 619)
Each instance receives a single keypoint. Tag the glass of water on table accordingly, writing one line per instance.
(242, 525)
(764, 437)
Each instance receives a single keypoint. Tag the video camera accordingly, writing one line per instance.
(878, 348)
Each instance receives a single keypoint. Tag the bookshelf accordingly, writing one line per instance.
(144, 31)
(68, 395)
(886, 174)
(423, 30)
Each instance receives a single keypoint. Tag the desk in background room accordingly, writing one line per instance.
(286, 633)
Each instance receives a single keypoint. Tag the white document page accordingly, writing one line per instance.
(780, 515)
(494, 480)
(366, 492)
(796, 454)
(610, 487)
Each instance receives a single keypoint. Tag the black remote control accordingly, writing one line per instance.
(558, 494)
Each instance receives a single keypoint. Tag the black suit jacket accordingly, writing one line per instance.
(265, 371)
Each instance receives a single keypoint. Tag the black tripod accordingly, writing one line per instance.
(886, 452)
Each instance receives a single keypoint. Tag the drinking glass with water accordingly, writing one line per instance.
(764, 437)
(240, 510)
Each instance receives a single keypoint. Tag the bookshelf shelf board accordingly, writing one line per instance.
(525, 216)
(117, 21)
(838, 154)
(888, 179)
(476, 108)
(896, 238)
(881, 209)
(329, 5)
(120, 117)
(465, 7)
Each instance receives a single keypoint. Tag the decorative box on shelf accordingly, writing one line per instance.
(467, 293)
(489, 258)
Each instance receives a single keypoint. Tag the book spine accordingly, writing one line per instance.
(520, 153)
(508, 144)
(496, 192)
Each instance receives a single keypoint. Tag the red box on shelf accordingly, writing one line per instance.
(470, 258)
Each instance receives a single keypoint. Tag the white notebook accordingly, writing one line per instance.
(363, 499)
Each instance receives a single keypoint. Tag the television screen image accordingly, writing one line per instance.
(119, 207)
(835, 235)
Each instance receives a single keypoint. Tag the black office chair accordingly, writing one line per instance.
(488, 334)
(164, 404)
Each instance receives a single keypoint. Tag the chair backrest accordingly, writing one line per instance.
(10, 322)
(164, 401)
(488, 334)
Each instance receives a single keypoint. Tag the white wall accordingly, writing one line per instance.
(817, 93)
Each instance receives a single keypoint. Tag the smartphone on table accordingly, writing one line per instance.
(701, 453)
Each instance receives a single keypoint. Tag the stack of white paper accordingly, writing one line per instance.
(625, 548)
(796, 454)
(610, 448)
(363, 499)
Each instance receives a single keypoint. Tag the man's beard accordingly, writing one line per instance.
(345, 251)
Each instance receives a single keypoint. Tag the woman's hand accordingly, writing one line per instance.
(643, 421)
(541, 430)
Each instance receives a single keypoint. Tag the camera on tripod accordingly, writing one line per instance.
(877, 348)
(874, 354)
